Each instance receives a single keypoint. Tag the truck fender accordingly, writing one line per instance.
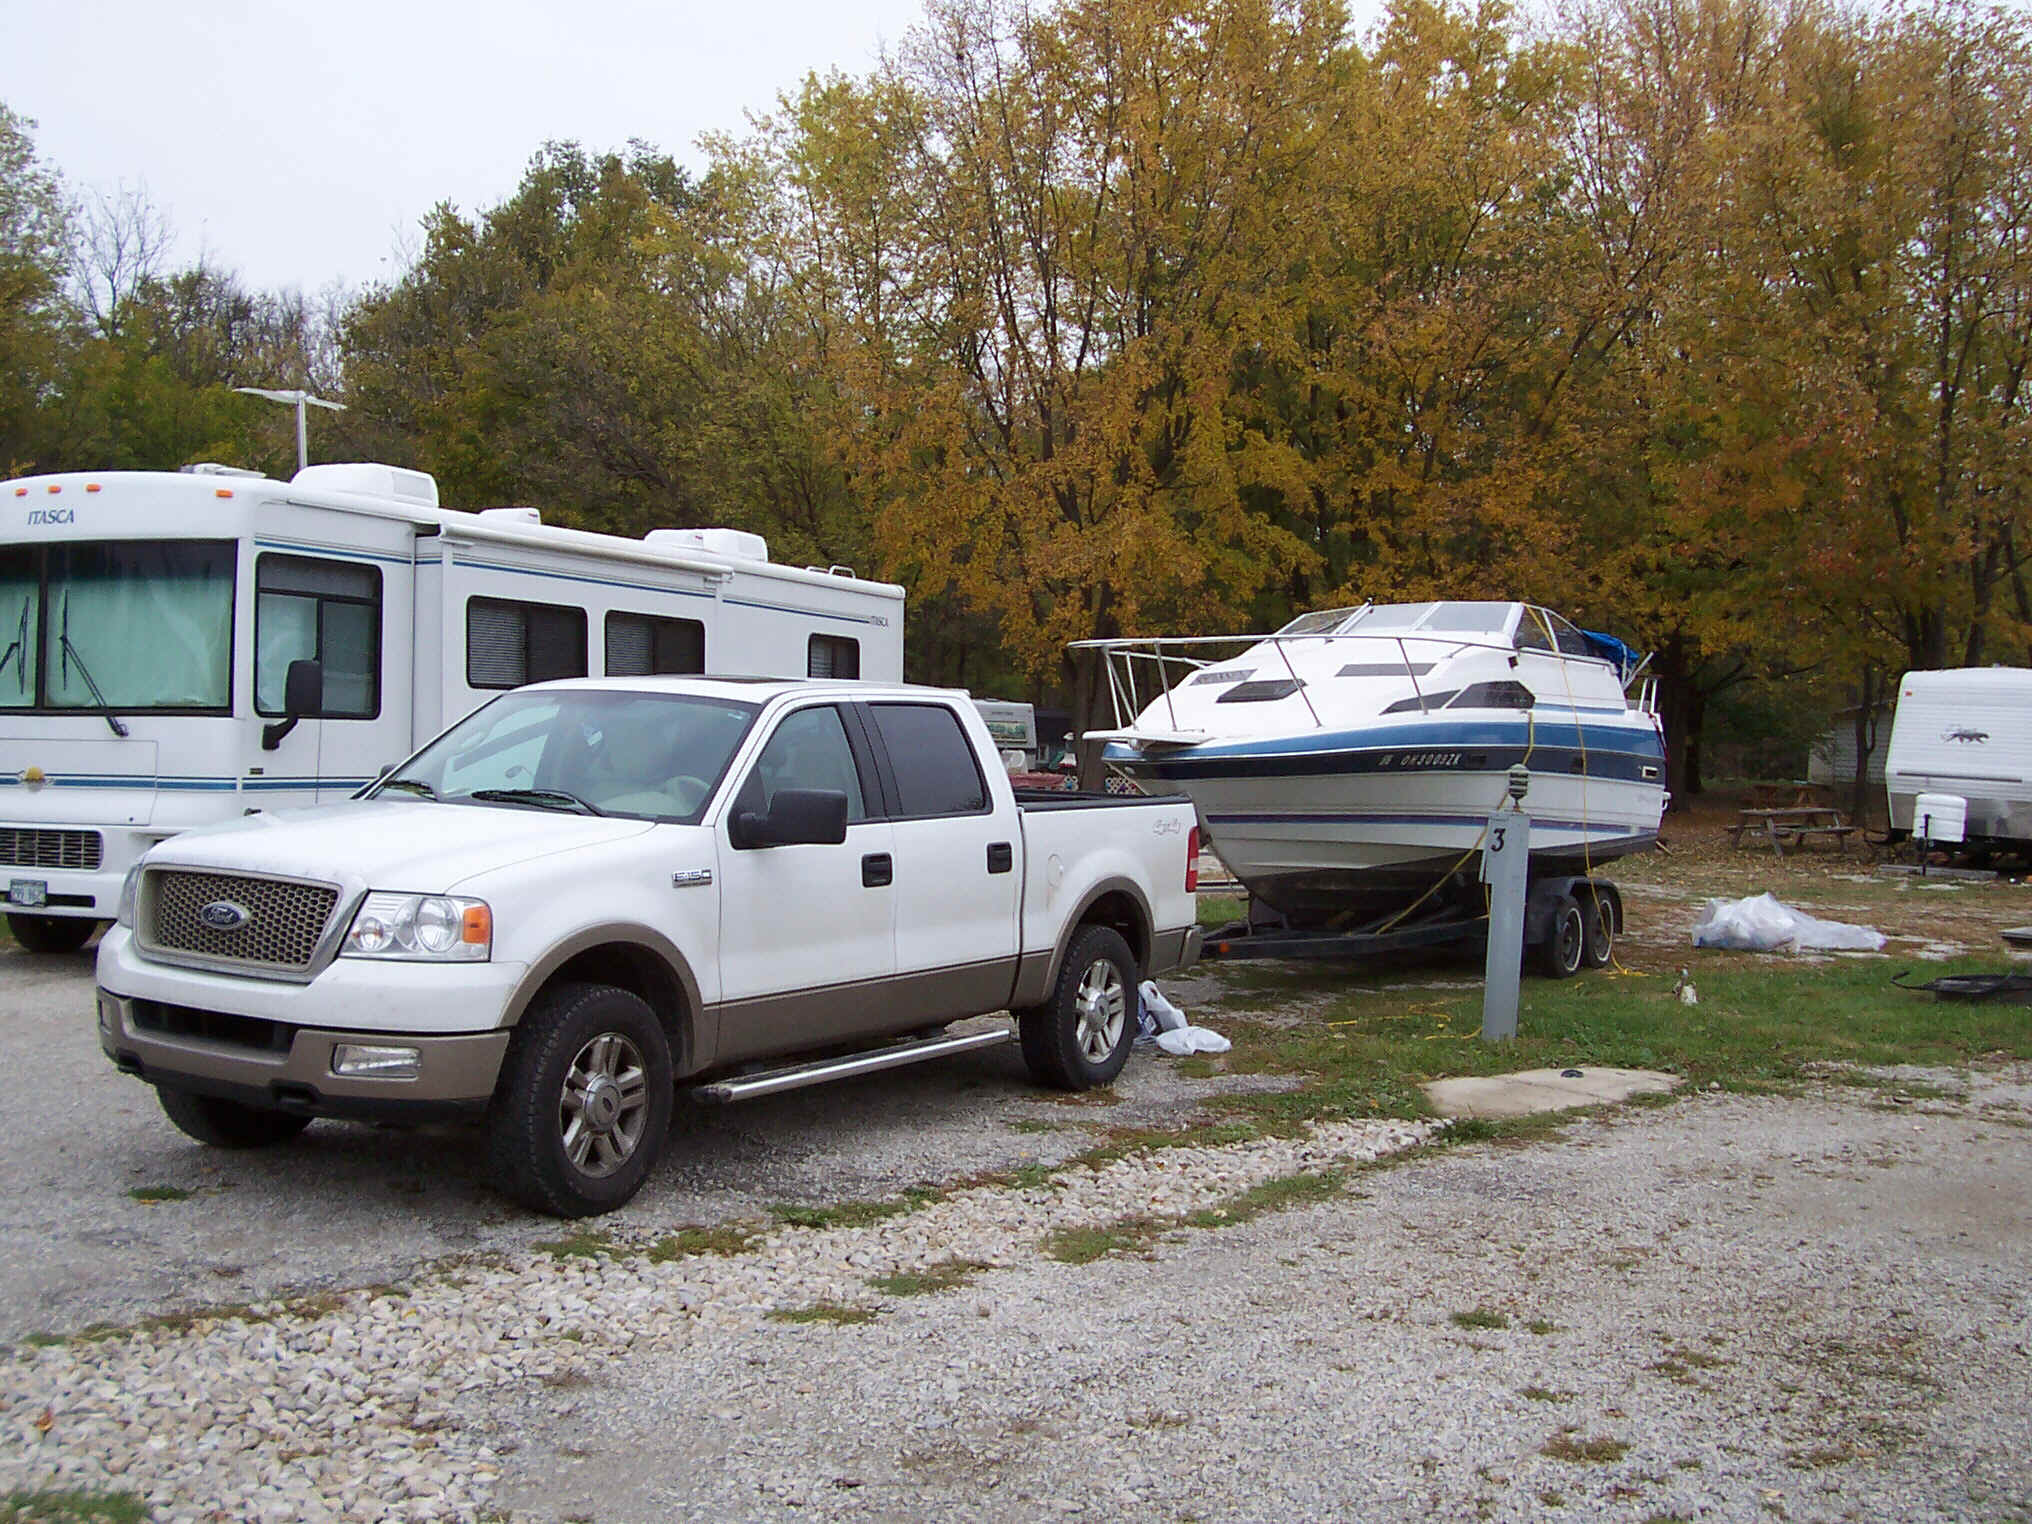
(1037, 973)
(638, 959)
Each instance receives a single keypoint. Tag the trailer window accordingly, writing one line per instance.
(641, 645)
(326, 611)
(833, 656)
(509, 644)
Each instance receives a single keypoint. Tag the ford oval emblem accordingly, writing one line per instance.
(225, 915)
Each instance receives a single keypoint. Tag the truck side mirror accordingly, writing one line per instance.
(796, 817)
(303, 696)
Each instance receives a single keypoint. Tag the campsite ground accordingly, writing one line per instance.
(1238, 1287)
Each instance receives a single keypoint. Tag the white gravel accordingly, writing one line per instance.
(343, 1411)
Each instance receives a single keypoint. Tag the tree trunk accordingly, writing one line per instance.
(1872, 694)
(1681, 705)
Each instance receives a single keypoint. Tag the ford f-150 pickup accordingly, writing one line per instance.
(589, 893)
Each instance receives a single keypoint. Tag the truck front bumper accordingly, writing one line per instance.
(276, 1045)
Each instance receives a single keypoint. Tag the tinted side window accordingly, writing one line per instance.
(936, 773)
(832, 656)
(640, 645)
(327, 610)
(509, 644)
(809, 750)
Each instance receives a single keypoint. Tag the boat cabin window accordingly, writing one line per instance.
(1483, 618)
(1570, 640)
(1324, 622)
(1532, 634)
(1386, 617)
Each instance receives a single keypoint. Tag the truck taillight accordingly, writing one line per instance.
(1192, 860)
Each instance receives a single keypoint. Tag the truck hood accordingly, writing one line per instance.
(417, 846)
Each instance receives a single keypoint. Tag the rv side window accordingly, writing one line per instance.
(833, 656)
(328, 611)
(640, 645)
(509, 644)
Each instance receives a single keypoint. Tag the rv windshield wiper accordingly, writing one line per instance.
(70, 653)
(18, 653)
(414, 785)
(542, 798)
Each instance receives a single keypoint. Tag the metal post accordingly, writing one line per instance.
(302, 435)
(1506, 857)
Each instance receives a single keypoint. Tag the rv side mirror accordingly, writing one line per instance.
(303, 696)
(796, 817)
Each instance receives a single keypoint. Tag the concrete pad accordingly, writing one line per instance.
(1516, 1095)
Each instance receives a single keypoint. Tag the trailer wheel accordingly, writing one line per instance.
(1565, 946)
(51, 933)
(228, 1124)
(1080, 1037)
(584, 1101)
(1598, 943)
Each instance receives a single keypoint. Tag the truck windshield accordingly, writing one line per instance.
(148, 622)
(653, 756)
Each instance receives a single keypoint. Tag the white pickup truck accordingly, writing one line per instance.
(587, 893)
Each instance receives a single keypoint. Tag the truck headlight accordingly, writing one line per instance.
(130, 892)
(420, 928)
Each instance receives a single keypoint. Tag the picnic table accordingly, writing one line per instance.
(1799, 793)
(1796, 824)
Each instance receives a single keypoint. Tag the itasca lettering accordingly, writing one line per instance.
(51, 516)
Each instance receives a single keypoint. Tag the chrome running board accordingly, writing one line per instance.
(747, 1086)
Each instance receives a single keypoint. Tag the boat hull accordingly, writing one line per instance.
(1332, 829)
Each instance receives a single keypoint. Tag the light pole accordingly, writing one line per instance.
(298, 399)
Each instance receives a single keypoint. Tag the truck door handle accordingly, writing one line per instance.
(877, 870)
(1001, 857)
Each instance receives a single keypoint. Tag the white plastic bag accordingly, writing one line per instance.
(1183, 1040)
(1166, 1016)
(1765, 924)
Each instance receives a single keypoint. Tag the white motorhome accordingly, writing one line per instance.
(1965, 732)
(180, 648)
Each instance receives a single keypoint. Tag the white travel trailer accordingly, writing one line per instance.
(179, 648)
(1965, 732)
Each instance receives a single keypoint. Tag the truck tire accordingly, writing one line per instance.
(1564, 949)
(51, 933)
(228, 1124)
(1598, 930)
(1080, 1037)
(583, 1104)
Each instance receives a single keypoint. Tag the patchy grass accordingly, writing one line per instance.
(946, 1275)
(1541, 1326)
(1084, 1245)
(1600, 1450)
(586, 1243)
(75, 1507)
(1134, 1235)
(726, 1241)
(1544, 1394)
(1480, 1317)
(149, 1195)
(838, 1313)
(857, 1214)
(1220, 909)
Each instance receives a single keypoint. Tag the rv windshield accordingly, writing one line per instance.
(653, 756)
(148, 623)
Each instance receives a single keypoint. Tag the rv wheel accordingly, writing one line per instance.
(51, 933)
(1565, 946)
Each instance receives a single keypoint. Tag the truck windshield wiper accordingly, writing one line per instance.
(542, 798)
(70, 653)
(414, 785)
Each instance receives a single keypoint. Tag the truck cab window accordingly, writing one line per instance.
(329, 611)
(809, 750)
(935, 769)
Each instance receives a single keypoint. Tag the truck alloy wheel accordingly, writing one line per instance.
(584, 1101)
(1080, 1037)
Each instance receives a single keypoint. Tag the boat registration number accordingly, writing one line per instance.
(1423, 759)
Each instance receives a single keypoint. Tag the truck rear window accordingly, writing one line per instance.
(936, 773)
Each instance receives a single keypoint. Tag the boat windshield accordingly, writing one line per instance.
(653, 756)
(1404, 618)
(119, 625)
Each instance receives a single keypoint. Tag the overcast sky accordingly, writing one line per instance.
(302, 144)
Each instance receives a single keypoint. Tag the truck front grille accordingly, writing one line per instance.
(212, 1026)
(26, 847)
(284, 922)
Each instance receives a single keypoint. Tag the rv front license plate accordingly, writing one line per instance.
(30, 892)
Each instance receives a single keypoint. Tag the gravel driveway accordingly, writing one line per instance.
(1729, 1308)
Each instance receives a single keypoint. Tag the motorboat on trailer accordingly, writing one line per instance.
(1346, 764)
